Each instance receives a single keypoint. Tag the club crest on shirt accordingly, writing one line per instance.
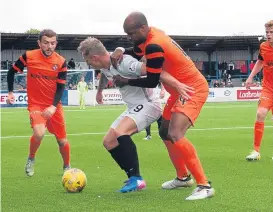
(270, 63)
(55, 67)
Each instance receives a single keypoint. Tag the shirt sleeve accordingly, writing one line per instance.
(130, 66)
(20, 64)
(260, 55)
(62, 74)
(154, 55)
(134, 52)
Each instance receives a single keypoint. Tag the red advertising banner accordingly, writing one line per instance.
(248, 94)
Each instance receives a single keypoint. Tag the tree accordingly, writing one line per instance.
(32, 31)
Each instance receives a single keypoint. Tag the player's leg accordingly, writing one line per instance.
(117, 151)
(182, 179)
(38, 126)
(184, 115)
(56, 125)
(148, 133)
(159, 121)
(64, 148)
(138, 119)
(264, 105)
(81, 98)
(112, 146)
(119, 144)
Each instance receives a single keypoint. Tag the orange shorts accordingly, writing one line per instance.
(191, 108)
(266, 99)
(55, 125)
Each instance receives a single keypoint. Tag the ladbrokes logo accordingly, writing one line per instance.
(248, 94)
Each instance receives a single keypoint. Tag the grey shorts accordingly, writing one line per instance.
(143, 115)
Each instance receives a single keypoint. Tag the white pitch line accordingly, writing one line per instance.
(123, 108)
(86, 111)
(103, 133)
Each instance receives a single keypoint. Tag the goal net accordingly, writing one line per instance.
(91, 77)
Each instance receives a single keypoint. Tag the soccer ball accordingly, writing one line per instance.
(74, 180)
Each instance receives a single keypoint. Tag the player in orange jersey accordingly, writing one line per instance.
(181, 111)
(265, 61)
(46, 77)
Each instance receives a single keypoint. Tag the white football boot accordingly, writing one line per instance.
(29, 168)
(176, 183)
(254, 155)
(201, 192)
(66, 168)
(148, 137)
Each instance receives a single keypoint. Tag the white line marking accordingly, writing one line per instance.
(123, 108)
(103, 133)
(96, 110)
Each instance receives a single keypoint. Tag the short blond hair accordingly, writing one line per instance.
(269, 23)
(92, 46)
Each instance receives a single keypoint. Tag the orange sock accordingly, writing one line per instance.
(33, 147)
(177, 160)
(191, 160)
(258, 135)
(65, 152)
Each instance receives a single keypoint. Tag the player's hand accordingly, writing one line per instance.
(185, 91)
(120, 81)
(11, 98)
(49, 111)
(116, 57)
(248, 83)
(162, 94)
(99, 97)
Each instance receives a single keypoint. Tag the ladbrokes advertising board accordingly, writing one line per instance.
(246, 95)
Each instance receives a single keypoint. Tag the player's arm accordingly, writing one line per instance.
(61, 80)
(102, 84)
(132, 67)
(18, 66)
(172, 82)
(161, 85)
(162, 89)
(135, 52)
(154, 55)
(117, 55)
(256, 69)
(169, 80)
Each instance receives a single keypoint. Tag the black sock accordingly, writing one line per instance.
(118, 155)
(125, 155)
(159, 122)
(130, 155)
(148, 130)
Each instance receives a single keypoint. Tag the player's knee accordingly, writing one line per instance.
(175, 135)
(163, 133)
(109, 142)
(38, 134)
(62, 142)
(261, 114)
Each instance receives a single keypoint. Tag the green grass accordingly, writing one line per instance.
(240, 186)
